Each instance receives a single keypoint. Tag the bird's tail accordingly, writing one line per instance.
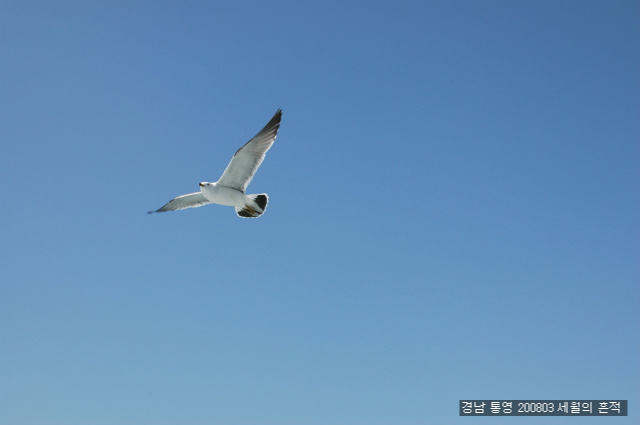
(254, 207)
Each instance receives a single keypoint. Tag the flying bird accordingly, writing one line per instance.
(230, 188)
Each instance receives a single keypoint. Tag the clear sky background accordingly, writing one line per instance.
(454, 210)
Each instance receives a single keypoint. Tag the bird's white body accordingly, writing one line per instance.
(223, 195)
(230, 189)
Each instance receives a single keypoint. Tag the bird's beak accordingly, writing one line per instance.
(200, 184)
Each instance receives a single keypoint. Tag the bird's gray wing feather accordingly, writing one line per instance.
(190, 200)
(248, 158)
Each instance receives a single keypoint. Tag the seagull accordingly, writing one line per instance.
(229, 189)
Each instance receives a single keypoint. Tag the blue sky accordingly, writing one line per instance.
(453, 210)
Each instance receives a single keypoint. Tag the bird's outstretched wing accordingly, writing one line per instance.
(190, 200)
(248, 158)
